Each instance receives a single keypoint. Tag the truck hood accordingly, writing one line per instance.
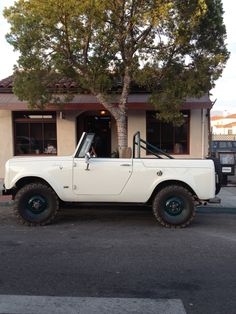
(40, 159)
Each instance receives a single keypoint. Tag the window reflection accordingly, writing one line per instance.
(171, 139)
(35, 133)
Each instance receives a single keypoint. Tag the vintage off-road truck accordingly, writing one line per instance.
(174, 187)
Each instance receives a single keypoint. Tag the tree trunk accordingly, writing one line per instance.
(119, 112)
(121, 121)
(122, 136)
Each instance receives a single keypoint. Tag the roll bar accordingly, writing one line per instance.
(137, 146)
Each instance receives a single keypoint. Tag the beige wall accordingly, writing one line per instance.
(6, 139)
(198, 133)
(136, 122)
(66, 132)
(195, 134)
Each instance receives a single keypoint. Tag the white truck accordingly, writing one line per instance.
(174, 187)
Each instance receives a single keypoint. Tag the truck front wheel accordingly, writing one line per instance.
(36, 204)
(173, 206)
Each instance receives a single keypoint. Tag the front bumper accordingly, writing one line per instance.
(4, 191)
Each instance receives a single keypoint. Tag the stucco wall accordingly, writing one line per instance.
(198, 134)
(136, 122)
(195, 133)
(66, 133)
(6, 139)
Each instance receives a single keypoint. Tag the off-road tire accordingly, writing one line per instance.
(27, 204)
(173, 207)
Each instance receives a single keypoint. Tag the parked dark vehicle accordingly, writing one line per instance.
(225, 151)
(223, 146)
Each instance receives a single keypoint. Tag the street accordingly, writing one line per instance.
(120, 254)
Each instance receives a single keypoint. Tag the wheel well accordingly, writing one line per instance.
(164, 184)
(27, 180)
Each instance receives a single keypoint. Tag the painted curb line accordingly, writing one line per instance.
(87, 305)
(6, 203)
(216, 210)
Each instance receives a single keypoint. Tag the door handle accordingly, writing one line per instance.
(125, 165)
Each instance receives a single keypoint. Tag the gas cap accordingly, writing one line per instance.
(159, 173)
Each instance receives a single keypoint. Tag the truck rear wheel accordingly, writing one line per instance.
(173, 206)
(36, 204)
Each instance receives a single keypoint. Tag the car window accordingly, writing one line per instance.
(222, 145)
(214, 145)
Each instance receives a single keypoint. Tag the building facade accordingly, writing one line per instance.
(57, 129)
(224, 127)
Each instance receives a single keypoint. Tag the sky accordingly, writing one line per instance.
(223, 94)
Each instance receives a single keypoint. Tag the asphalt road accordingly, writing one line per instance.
(122, 253)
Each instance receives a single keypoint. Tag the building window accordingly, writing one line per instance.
(34, 133)
(173, 140)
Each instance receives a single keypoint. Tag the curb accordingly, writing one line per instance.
(216, 210)
(5, 203)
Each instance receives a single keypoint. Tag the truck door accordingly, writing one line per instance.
(105, 176)
(98, 176)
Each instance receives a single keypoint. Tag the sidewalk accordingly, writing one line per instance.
(227, 204)
(227, 196)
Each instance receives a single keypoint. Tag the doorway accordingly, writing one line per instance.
(98, 122)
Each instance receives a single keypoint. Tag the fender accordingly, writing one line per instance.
(197, 185)
(57, 174)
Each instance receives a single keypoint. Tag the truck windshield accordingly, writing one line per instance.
(85, 145)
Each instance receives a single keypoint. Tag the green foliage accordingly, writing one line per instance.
(173, 48)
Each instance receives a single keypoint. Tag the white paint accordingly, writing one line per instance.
(73, 305)
(110, 180)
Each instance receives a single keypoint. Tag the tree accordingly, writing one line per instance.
(173, 48)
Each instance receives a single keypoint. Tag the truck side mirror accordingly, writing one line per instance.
(87, 158)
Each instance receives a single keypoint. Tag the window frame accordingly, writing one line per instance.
(17, 118)
(187, 152)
